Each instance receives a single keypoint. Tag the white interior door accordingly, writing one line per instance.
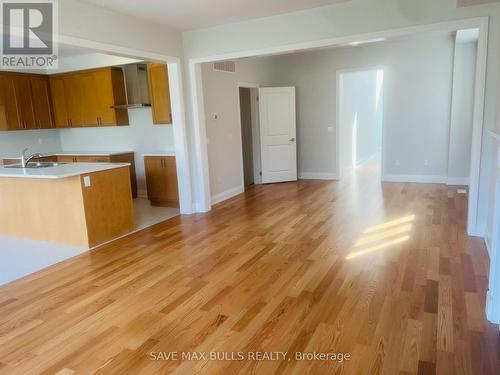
(278, 134)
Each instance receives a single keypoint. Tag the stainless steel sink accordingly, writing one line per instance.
(34, 165)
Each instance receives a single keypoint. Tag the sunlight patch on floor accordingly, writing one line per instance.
(383, 236)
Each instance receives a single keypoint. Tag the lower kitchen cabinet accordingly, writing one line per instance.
(161, 180)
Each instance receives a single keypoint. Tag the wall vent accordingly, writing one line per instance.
(225, 66)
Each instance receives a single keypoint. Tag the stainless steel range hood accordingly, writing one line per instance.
(136, 81)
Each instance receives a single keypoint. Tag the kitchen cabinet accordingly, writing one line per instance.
(110, 92)
(88, 98)
(9, 116)
(161, 180)
(24, 102)
(61, 117)
(40, 90)
(159, 91)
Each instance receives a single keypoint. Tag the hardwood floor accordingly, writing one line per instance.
(385, 273)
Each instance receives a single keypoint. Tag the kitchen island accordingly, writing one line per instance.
(80, 204)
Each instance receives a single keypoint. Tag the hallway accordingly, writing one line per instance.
(384, 272)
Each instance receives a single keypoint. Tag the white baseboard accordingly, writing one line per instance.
(225, 195)
(458, 181)
(317, 176)
(142, 193)
(414, 178)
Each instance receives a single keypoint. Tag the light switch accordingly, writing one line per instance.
(330, 129)
(86, 181)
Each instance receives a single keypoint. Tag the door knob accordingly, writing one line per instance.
(292, 140)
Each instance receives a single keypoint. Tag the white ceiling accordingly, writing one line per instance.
(194, 14)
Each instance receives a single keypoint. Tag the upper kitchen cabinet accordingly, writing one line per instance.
(24, 102)
(40, 90)
(9, 116)
(160, 93)
(89, 98)
(110, 93)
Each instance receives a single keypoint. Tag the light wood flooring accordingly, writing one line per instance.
(384, 272)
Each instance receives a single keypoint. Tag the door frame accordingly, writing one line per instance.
(338, 129)
(493, 294)
(179, 122)
(198, 109)
(247, 85)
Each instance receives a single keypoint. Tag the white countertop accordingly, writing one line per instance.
(160, 153)
(59, 171)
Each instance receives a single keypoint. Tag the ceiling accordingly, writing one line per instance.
(194, 14)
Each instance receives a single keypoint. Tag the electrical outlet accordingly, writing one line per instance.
(86, 181)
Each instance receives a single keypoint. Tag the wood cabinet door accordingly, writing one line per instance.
(90, 100)
(9, 116)
(25, 108)
(73, 89)
(161, 180)
(155, 178)
(41, 101)
(104, 95)
(160, 93)
(61, 116)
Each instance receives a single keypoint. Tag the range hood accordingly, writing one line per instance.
(137, 85)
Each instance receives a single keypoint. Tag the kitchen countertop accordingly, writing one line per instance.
(59, 171)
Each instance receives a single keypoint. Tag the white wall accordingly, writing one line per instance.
(417, 87)
(462, 111)
(221, 95)
(140, 137)
(360, 116)
(14, 142)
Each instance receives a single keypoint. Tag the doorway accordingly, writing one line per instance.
(250, 134)
(360, 110)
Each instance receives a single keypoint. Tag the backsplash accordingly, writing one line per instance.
(14, 142)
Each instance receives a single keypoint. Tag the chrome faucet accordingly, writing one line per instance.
(26, 159)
